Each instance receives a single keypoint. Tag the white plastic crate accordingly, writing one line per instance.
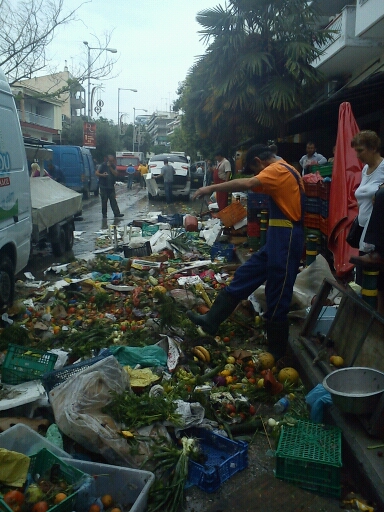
(129, 487)
(23, 439)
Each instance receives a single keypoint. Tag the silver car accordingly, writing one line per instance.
(182, 178)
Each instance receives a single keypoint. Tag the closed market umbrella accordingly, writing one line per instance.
(346, 177)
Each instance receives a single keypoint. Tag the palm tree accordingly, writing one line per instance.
(257, 70)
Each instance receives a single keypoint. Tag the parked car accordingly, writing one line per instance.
(198, 179)
(182, 179)
(77, 168)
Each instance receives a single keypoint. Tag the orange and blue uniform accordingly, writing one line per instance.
(277, 262)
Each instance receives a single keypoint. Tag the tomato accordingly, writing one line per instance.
(252, 410)
(123, 327)
(230, 408)
(71, 310)
(40, 506)
(250, 375)
(13, 498)
(94, 508)
(226, 339)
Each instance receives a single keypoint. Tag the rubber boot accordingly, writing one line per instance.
(220, 310)
(277, 338)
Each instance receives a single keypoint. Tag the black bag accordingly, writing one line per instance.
(354, 235)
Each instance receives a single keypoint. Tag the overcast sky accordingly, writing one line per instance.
(156, 40)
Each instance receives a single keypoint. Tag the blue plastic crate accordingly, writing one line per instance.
(220, 250)
(312, 204)
(324, 208)
(224, 458)
(175, 220)
(258, 201)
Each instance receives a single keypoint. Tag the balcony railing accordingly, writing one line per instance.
(335, 26)
(30, 117)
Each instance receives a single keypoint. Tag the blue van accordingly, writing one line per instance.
(75, 165)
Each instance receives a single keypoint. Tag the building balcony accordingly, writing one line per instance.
(346, 53)
(77, 103)
(30, 117)
(370, 19)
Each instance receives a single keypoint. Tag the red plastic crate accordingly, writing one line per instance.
(253, 229)
(324, 225)
(312, 220)
(311, 189)
(324, 189)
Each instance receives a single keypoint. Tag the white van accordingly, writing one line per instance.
(15, 197)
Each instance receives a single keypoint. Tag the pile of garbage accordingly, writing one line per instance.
(130, 378)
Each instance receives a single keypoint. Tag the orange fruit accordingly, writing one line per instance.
(116, 509)
(60, 496)
(94, 508)
(107, 500)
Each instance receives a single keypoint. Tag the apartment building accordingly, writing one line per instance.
(353, 64)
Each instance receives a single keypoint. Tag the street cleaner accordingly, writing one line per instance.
(276, 264)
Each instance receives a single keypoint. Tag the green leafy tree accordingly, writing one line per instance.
(257, 71)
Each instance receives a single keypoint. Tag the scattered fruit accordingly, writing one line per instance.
(94, 508)
(61, 496)
(40, 506)
(289, 375)
(336, 361)
(266, 360)
(107, 500)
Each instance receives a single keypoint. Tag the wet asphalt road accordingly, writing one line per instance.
(134, 204)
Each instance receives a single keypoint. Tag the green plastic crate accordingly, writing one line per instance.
(23, 364)
(149, 229)
(324, 170)
(41, 463)
(309, 455)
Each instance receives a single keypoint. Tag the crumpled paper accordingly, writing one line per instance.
(13, 468)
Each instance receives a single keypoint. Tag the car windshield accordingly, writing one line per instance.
(170, 158)
(126, 161)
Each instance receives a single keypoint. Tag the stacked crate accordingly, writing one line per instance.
(317, 210)
(255, 204)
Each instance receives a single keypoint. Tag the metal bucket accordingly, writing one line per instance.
(355, 390)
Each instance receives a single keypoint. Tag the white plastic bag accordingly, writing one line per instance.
(77, 405)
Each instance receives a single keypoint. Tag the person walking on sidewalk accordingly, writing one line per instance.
(131, 171)
(107, 175)
(221, 174)
(277, 262)
(168, 172)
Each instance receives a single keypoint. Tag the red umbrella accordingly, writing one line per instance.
(346, 177)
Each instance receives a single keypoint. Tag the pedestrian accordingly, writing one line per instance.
(56, 173)
(374, 238)
(107, 175)
(277, 262)
(131, 171)
(209, 173)
(311, 158)
(143, 170)
(36, 171)
(367, 145)
(168, 172)
(221, 174)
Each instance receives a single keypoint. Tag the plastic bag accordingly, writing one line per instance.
(151, 355)
(317, 398)
(77, 405)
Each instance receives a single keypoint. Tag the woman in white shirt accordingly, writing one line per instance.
(367, 145)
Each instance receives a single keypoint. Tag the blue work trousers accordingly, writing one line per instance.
(276, 264)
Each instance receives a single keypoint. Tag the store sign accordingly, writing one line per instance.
(89, 135)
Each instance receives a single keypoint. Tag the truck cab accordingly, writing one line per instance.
(15, 197)
(123, 160)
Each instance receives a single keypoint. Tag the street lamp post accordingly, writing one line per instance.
(118, 105)
(134, 125)
(89, 48)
